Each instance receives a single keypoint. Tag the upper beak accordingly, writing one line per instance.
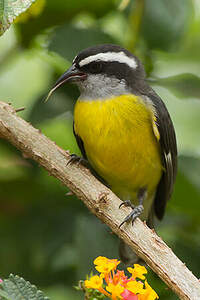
(72, 74)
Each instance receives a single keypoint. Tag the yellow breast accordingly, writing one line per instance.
(120, 143)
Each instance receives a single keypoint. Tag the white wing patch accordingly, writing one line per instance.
(120, 57)
(168, 158)
(154, 115)
(155, 128)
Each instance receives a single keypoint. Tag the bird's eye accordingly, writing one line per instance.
(95, 67)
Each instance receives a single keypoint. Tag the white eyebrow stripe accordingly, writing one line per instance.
(120, 57)
(74, 59)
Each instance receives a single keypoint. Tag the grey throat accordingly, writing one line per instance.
(100, 86)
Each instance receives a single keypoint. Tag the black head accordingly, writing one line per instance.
(104, 70)
(111, 60)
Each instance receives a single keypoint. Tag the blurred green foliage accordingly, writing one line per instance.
(49, 238)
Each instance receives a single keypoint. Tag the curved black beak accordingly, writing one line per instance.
(71, 75)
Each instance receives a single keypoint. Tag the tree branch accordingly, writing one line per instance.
(101, 201)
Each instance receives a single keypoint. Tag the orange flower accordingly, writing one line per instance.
(127, 295)
(116, 285)
(120, 277)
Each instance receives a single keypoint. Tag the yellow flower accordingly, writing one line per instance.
(115, 290)
(149, 294)
(138, 271)
(114, 284)
(105, 265)
(95, 282)
(100, 259)
(135, 287)
(105, 268)
(104, 260)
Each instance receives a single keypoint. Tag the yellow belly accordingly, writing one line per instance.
(120, 143)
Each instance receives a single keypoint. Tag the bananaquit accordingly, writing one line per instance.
(123, 129)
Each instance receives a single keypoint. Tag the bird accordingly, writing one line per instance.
(124, 131)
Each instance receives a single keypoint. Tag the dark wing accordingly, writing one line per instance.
(169, 155)
(80, 143)
(167, 144)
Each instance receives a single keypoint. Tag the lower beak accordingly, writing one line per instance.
(71, 75)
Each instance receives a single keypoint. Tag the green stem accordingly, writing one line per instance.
(135, 21)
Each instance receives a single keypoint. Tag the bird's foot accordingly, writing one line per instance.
(75, 159)
(127, 203)
(136, 212)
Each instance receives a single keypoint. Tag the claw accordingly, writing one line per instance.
(122, 204)
(77, 159)
(73, 158)
(136, 212)
(127, 203)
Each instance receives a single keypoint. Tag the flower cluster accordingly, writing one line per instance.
(115, 285)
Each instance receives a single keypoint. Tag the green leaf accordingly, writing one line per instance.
(54, 129)
(190, 166)
(17, 289)
(9, 10)
(60, 102)
(165, 22)
(68, 40)
(182, 86)
(27, 67)
(185, 197)
(4, 295)
(58, 12)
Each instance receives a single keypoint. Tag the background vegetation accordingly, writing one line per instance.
(47, 237)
